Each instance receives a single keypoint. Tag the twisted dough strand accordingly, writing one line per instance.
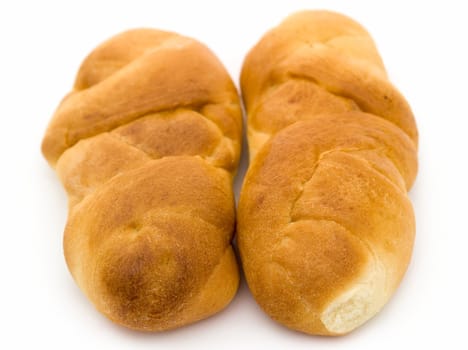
(324, 221)
(146, 146)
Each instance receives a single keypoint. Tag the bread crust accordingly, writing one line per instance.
(325, 226)
(146, 146)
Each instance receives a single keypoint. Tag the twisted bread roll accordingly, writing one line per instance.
(146, 145)
(325, 225)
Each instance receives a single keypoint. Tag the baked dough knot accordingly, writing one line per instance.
(146, 146)
(325, 225)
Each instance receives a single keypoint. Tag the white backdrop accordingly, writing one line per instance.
(42, 44)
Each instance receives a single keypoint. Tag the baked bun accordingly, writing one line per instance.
(146, 146)
(325, 225)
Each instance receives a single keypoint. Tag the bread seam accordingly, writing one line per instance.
(318, 83)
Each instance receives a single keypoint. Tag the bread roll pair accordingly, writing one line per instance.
(146, 146)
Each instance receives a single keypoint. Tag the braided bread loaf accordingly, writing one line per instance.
(325, 226)
(146, 146)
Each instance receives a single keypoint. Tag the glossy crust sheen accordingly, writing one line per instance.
(325, 226)
(146, 146)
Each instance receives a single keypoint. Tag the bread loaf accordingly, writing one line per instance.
(325, 225)
(146, 146)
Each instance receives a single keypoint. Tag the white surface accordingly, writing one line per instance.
(42, 45)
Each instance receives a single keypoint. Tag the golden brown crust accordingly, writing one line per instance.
(325, 226)
(187, 76)
(146, 146)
